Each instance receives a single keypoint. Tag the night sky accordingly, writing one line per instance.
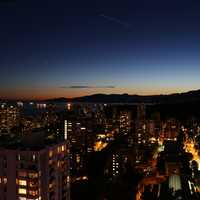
(73, 48)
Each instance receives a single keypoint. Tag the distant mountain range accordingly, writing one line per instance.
(191, 96)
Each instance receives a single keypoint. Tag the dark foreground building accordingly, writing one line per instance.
(33, 170)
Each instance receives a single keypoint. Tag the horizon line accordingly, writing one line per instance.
(50, 98)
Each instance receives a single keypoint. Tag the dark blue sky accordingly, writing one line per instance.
(124, 46)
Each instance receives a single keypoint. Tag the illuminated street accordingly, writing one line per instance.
(190, 148)
(99, 146)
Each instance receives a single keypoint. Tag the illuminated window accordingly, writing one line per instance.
(22, 198)
(22, 191)
(68, 106)
(78, 159)
(50, 185)
(33, 192)
(50, 154)
(33, 175)
(5, 180)
(34, 157)
(22, 182)
(63, 148)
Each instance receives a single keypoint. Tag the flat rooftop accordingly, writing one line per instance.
(34, 141)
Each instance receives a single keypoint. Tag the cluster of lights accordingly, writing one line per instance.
(3, 180)
(67, 128)
(61, 149)
(82, 178)
(100, 145)
(69, 105)
(41, 106)
(22, 190)
(115, 165)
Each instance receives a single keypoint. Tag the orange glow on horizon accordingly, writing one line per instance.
(48, 93)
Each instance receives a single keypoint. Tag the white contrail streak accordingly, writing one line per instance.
(115, 20)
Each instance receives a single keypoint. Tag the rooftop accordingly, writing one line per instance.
(35, 141)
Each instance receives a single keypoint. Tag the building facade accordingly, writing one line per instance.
(35, 174)
(9, 118)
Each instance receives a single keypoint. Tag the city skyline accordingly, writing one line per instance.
(69, 50)
(99, 99)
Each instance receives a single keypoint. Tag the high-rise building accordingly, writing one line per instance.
(141, 135)
(67, 129)
(141, 112)
(35, 172)
(170, 129)
(125, 122)
(9, 118)
(140, 125)
(115, 164)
